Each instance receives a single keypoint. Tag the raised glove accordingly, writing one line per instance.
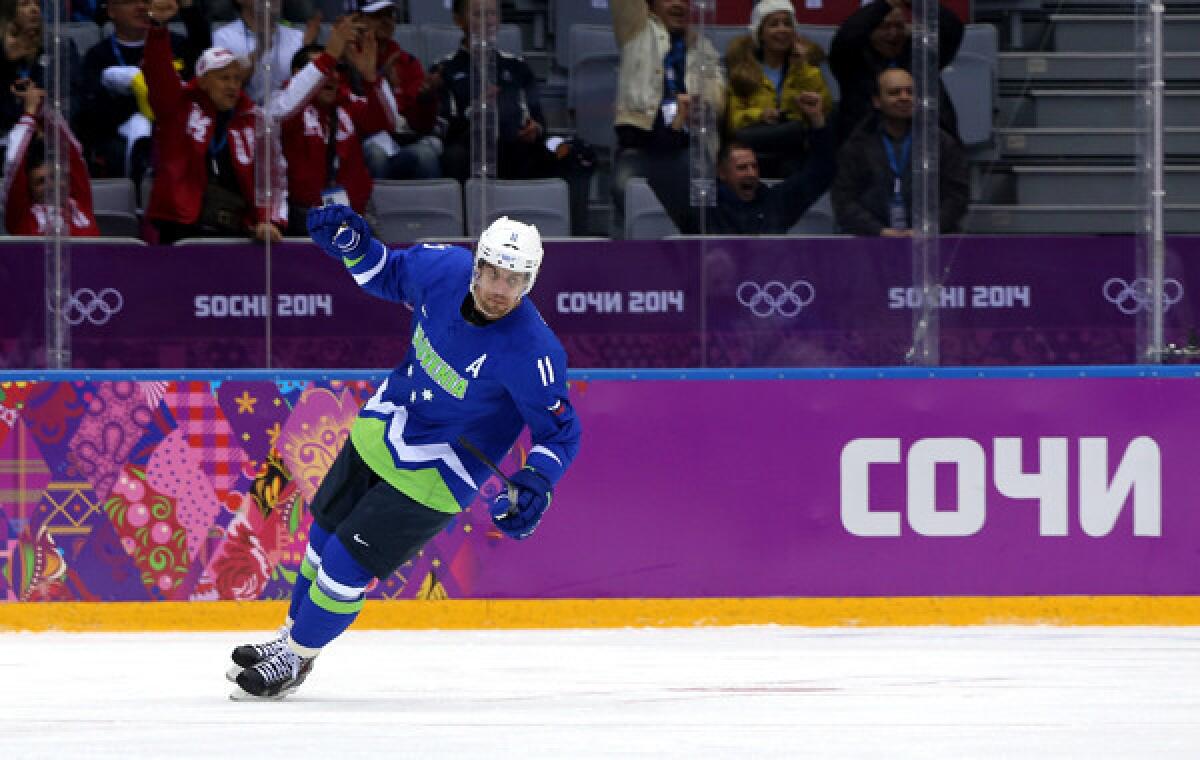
(517, 521)
(339, 231)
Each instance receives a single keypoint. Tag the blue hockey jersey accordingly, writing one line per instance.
(481, 383)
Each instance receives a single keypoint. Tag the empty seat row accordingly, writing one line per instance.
(404, 211)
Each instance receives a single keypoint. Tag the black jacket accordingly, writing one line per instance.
(856, 64)
(776, 208)
(517, 95)
(862, 188)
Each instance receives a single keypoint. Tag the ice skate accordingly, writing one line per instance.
(274, 677)
(249, 655)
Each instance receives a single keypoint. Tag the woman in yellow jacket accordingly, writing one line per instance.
(768, 69)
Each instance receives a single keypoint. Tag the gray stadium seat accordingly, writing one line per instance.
(84, 33)
(586, 41)
(115, 207)
(817, 220)
(971, 85)
(567, 16)
(980, 39)
(543, 202)
(592, 94)
(409, 210)
(118, 223)
(408, 37)
(645, 217)
(720, 35)
(430, 12)
(114, 195)
(441, 40)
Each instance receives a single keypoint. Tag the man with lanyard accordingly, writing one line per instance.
(872, 191)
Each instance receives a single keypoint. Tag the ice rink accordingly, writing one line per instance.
(745, 692)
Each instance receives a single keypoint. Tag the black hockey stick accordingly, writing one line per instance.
(508, 484)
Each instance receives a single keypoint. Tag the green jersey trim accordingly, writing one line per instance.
(424, 486)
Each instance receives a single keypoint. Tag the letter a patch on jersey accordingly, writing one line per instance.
(476, 365)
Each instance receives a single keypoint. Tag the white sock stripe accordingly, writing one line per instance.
(542, 371)
(539, 449)
(311, 555)
(339, 591)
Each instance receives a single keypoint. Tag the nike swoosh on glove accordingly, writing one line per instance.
(518, 521)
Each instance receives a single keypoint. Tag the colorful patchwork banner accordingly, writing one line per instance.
(189, 489)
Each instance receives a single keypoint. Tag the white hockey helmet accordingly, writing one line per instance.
(511, 245)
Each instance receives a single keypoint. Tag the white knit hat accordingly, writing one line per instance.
(766, 8)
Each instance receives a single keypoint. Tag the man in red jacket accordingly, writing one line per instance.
(28, 207)
(324, 163)
(204, 136)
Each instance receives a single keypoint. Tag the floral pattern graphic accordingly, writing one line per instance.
(174, 490)
(150, 532)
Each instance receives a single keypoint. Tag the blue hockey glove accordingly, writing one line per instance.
(517, 521)
(339, 231)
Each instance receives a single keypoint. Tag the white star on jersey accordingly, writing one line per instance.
(427, 394)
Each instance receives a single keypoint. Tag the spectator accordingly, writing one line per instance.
(769, 69)
(745, 206)
(205, 147)
(660, 70)
(877, 37)
(872, 192)
(522, 150)
(241, 38)
(29, 208)
(25, 60)
(114, 131)
(322, 117)
(410, 150)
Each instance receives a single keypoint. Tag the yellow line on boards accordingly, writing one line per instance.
(617, 613)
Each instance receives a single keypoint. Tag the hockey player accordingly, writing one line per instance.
(482, 365)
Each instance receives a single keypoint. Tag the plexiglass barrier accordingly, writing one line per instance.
(719, 183)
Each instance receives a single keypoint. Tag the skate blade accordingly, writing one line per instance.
(241, 695)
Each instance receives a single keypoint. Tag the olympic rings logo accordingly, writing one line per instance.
(1135, 295)
(86, 305)
(776, 299)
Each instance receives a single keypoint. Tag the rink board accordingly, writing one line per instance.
(799, 497)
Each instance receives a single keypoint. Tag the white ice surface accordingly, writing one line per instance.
(708, 692)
